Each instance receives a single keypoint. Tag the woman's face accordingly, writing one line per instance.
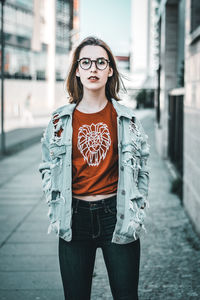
(93, 52)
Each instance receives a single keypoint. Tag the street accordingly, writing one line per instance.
(29, 269)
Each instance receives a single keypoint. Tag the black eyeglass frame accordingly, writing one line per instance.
(95, 60)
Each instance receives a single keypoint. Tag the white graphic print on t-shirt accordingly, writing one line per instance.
(93, 142)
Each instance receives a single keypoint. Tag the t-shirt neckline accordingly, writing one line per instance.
(100, 111)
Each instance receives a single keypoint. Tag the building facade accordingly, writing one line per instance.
(18, 24)
(26, 36)
(192, 112)
(177, 96)
(39, 35)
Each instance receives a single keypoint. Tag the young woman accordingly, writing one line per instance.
(95, 176)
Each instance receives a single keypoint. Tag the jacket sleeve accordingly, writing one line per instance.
(143, 175)
(45, 165)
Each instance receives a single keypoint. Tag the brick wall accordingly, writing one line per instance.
(192, 125)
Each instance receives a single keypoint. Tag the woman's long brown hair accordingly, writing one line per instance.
(74, 86)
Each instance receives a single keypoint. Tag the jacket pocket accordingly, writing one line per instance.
(131, 159)
(56, 151)
(131, 149)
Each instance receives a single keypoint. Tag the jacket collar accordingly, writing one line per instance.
(121, 110)
(64, 110)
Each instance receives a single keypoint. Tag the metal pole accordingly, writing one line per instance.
(3, 150)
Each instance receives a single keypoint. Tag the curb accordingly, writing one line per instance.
(26, 137)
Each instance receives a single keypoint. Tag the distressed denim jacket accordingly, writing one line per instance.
(133, 178)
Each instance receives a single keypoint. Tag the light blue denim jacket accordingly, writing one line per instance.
(133, 178)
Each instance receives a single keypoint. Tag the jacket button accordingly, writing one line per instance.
(122, 216)
(122, 168)
(123, 192)
(51, 153)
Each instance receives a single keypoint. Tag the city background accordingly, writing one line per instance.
(156, 44)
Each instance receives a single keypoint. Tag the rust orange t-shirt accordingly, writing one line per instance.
(95, 152)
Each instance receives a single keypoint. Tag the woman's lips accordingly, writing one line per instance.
(93, 79)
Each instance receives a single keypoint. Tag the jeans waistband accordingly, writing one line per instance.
(96, 204)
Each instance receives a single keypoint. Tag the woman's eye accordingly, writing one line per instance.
(101, 61)
(85, 62)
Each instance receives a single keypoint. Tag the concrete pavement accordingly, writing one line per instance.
(29, 269)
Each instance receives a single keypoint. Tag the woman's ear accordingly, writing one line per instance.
(110, 73)
(77, 73)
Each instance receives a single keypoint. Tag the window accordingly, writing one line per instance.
(195, 15)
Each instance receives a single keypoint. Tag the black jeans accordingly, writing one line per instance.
(93, 224)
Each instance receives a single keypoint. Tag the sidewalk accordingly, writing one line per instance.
(29, 269)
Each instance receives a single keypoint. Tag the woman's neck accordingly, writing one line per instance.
(92, 103)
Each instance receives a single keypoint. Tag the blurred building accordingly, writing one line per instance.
(123, 62)
(142, 44)
(39, 35)
(27, 35)
(178, 94)
(18, 27)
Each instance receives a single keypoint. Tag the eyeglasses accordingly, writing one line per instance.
(86, 63)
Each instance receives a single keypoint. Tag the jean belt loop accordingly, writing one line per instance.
(105, 207)
(76, 207)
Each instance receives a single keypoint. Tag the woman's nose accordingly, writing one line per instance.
(93, 66)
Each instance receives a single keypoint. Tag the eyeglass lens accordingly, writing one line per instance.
(101, 63)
